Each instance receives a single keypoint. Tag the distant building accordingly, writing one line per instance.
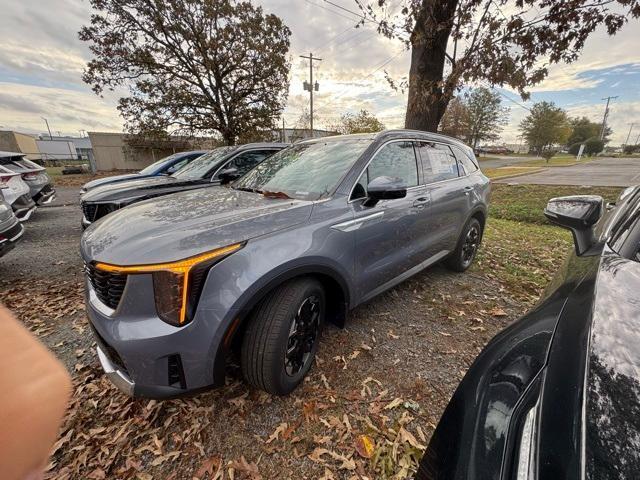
(291, 135)
(120, 151)
(80, 145)
(11, 141)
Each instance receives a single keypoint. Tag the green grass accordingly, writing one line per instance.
(522, 256)
(557, 161)
(525, 203)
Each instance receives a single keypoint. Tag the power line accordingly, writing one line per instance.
(330, 10)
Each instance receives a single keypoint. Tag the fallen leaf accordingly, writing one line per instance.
(365, 446)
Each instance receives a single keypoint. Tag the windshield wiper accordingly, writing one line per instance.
(246, 189)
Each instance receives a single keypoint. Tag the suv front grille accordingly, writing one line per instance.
(107, 285)
(95, 211)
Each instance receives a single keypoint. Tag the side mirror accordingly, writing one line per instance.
(579, 214)
(385, 188)
(170, 170)
(228, 175)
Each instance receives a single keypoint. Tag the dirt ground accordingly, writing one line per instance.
(367, 409)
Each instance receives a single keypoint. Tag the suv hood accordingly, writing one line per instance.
(98, 182)
(185, 224)
(138, 189)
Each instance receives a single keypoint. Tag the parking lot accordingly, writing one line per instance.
(388, 375)
(603, 172)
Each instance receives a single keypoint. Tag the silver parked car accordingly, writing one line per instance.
(175, 283)
(16, 193)
(34, 175)
(11, 229)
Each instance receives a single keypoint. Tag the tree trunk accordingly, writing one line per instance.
(427, 100)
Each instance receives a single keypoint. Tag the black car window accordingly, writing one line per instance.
(201, 166)
(465, 163)
(247, 160)
(396, 159)
(438, 162)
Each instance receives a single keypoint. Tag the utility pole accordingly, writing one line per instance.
(310, 86)
(606, 114)
(48, 129)
(631, 125)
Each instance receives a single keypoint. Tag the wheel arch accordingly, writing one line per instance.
(337, 292)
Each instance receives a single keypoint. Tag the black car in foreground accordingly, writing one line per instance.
(557, 394)
(217, 167)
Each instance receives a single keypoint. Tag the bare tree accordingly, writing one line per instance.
(501, 42)
(191, 66)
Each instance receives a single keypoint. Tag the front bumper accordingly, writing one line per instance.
(10, 237)
(139, 352)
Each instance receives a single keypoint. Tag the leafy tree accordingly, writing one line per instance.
(502, 42)
(455, 121)
(583, 129)
(629, 149)
(486, 115)
(362, 122)
(593, 146)
(191, 66)
(545, 126)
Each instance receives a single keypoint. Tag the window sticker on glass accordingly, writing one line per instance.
(440, 162)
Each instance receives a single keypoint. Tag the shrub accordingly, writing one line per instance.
(593, 146)
(548, 154)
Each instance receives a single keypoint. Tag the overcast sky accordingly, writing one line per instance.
(41, 61)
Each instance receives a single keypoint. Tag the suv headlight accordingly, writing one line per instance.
(176, 285)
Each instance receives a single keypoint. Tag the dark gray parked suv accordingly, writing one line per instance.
(175, 284)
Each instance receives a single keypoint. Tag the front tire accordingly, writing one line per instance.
(467, 248)
(281, 340)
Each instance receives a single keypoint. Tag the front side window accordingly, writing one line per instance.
(396, 159)
(438, 162)
(306, 171)
(201, 166)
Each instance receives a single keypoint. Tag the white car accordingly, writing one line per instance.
(10, 228)
(35, 176)
(16, 193)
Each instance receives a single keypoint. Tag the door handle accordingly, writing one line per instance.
(421, 201)
(467, 190)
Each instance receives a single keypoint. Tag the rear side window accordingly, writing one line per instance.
(247, 160)
(438, 162)
(396, 159)
(465, 163)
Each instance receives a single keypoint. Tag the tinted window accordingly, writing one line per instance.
(465, 163)
(247, 160)
(201, 166)
(396, 159)
(438, 162)
(307, 171)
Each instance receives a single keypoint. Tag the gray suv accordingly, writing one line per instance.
(176, 284)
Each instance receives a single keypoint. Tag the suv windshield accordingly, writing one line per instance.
(152, 168)
(307, 171)
(201, 165)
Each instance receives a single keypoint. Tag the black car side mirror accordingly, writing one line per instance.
(385, 188)
(228, 175)
(579, 214)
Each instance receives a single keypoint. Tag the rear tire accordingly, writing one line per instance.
(467, 248)
(281, 340)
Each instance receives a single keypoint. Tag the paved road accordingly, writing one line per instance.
(604, 172)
